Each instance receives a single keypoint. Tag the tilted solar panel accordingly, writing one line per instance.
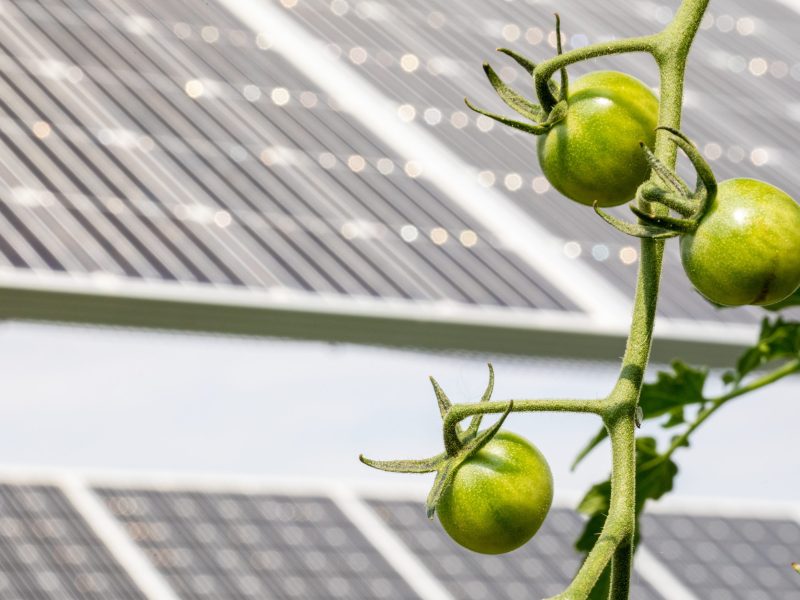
(143, 146)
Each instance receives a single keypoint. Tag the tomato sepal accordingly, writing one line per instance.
(460, 445)
(675, 195)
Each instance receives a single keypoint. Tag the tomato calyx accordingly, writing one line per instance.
(543, 116)
(673, 195)
(460, 445)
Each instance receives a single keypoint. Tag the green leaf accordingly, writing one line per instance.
(778, 339)
(655, 473)
(673, 391)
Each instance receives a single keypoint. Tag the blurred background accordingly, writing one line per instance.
(237, 237)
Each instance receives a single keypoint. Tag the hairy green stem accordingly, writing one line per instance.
(670, 48)
(543, 73)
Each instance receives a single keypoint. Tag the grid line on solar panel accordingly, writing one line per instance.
(245, 546)
(541, 568)
(434, 33)
(47, 550)
(727, 558)
(96, 45)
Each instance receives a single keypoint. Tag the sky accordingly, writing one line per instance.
(94, 398)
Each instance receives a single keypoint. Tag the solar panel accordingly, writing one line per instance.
(255, 546)
(142, 145)
(725, 558)
(541, 568)
(47, 550)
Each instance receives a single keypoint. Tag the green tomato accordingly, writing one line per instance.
(499, 497)
(746, 249)
(593, 154)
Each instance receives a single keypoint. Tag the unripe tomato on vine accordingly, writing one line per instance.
(746, 248)
(498, 497)
(589, 130)
(593, 154)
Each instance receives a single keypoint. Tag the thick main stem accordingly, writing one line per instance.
(670, 48)
(671, 53)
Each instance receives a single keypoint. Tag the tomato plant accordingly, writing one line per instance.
(498, 497)
(740, 243)
(746, 249)
(593, 153)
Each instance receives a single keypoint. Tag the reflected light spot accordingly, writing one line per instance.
(222, 218)
(725, 23)
(432, 116)
(349, 231)
(409, 63)
(210, 34)
(194, 88)
(289, 3)
(628, 255)
(327, 160)
(737, 64)
(745, 26)
(551, 38)
(358, 55)
(468, 238)
(572, 249)
(484, 123)
(600, 252)
(356, 163)
(534, 36)
(540, 185)
(486, 178)
(513, 181)
(413, 169)
(406, 112)
(758, 66)
(41, 129)
(409, 233)
(510, 32)
(663, 15)
(579, 40)
(740, 215)
(779, 69)
(459, 119)
(759, 157)
(439, 235)
(339, 7)
(262, 41)
(712, 151)
(735, 154)
(251, 93)
(280, 96)
(74, 74)
(308, 99)
(385, 166)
